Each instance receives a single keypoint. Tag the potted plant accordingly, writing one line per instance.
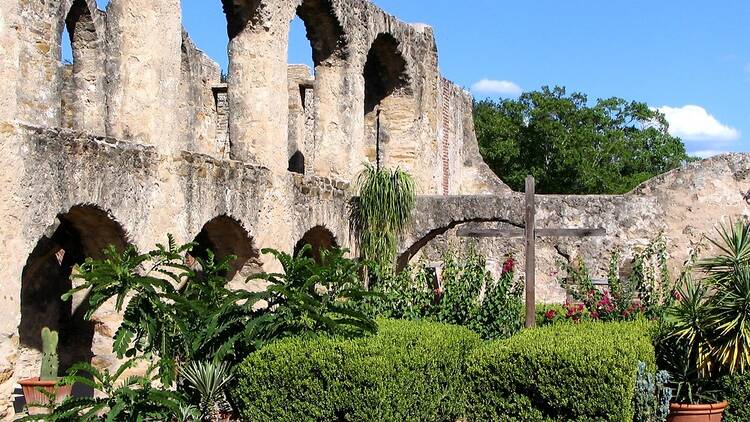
(707, 331)
(40, 391)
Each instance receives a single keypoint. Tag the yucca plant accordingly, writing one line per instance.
(728, 274)
(208, 380)
(709, 323)
(381, 212)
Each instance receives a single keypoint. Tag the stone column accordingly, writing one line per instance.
(39, 31)
(338, 122)
(258, 98)
(9, 75)
(144, 71)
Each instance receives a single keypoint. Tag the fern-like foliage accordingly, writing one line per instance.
(119, 397)
(170, 310)
(310, 298)
(175, 314)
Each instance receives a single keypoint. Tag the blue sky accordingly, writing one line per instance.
(690, 58)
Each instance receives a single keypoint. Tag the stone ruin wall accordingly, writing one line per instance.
(139, 137)
(686, 204)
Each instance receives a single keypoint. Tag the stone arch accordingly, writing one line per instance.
(82, 232)
(42, 84)
(388, 101)
(314, 116)
(410, 251)
(82, 85)
(225, 236)
(239, 14)
(320, 239)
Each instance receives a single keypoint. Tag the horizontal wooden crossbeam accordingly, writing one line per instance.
(519, 233)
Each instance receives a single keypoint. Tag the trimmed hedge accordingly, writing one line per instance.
(562, 372)
(736, 389)
(409, 371)
(420, 371)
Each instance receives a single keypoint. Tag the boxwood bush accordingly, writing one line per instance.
(580, 372)
(736, 389)
(409, 371)
(422, 371)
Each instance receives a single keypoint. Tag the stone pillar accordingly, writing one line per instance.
(258, 99)
(144, 69)
(337, 119)
(9, 75)
(39, 32)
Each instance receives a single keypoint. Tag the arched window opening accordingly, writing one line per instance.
(320, 239)
(225, 236)
(386, 80)
(316, 43)
(82, 75)
(82, 232)
(204, 105)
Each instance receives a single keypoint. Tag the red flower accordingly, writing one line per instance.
(508, 266)
(551, 314)
(595, 315)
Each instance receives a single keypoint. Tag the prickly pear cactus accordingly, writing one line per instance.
(50, 360)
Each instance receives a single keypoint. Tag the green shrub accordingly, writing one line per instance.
(736, 389)
(411, 371)
(581, 372)
(470, 296)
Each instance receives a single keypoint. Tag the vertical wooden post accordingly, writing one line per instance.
(530, 240)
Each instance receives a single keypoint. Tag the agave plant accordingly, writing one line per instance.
(208, 379)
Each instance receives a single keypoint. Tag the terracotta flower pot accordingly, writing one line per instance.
(696, 412)
(33, 394)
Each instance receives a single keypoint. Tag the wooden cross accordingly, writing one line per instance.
(529, 233)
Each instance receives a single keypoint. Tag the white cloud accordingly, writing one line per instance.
(495, 87)
(694, 123)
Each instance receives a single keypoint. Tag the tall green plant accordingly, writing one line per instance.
(381, 212)
(729, 280)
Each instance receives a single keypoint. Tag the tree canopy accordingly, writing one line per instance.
(573, 147)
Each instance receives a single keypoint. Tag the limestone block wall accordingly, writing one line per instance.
(197, 109)
(462, 169)
(685, 204)
(75, 194)
(140, 137)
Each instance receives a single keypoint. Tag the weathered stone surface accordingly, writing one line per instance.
(685, 204)
(139, 137)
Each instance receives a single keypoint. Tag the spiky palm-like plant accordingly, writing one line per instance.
(729, 279)
(383, 209)
(208, 379)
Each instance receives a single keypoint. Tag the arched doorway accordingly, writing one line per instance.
(313, 92)
(83, 232)
(225, 236)
(320, 239)
(61, 65)
(388, 105)
(82, 84)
